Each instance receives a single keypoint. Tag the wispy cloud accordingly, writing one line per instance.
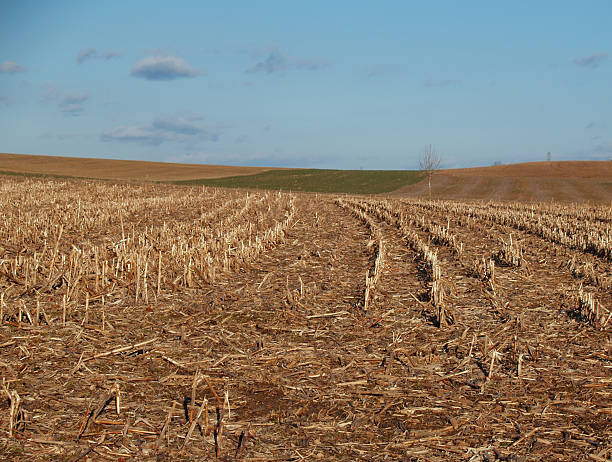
(601, 151)
(10, 67)
(178, 125)
(132, 133)
(92, 53)
(49, 92)
(72, 103)
(110, 54)
(62, 136)
(4, 100)
(256, 159)
(163, 129)
(67, 103)
(591, 61)
(72, 109)
(277, 61)
(163, 68)
(590, 125)
(274, 62)
(85, 54)
(75, 98)
(310, 64)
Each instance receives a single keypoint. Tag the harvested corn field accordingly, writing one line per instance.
(156, 322)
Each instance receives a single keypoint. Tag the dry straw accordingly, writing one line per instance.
(143, 321)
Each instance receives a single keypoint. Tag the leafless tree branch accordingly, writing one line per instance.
(429, 163)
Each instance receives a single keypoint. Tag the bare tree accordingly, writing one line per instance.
(429, 163)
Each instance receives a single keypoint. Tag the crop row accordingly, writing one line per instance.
(567, 230)
(88, 251)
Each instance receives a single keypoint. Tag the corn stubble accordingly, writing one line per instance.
(281, 326)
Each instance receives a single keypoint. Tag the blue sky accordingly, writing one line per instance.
(343, 84)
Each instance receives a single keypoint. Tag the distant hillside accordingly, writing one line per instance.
(288, 179)
(319, 180)
(576, 181)
(571, 181)
(566, 169)
(113, 169)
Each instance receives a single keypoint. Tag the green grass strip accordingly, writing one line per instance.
(316, 180)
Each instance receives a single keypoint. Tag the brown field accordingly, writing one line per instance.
(565, 169)
(117, 169)
(159, 322)
(572, 181)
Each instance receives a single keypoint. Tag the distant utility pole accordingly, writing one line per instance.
(548, 157)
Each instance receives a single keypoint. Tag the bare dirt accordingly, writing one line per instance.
(278, 353)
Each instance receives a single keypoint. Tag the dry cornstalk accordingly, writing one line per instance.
(117, 398)
(590, 310)
(64, 310)
(494, 356)
(14, 412)
(86, 317)
(159, 273)
(121, 349)
(193, 424)
(164, 429)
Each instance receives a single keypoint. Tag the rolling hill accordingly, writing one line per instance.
(569, 181)
(114, 169)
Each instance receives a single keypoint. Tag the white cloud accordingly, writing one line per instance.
(72, 103)
(163, 129)
(163, 68)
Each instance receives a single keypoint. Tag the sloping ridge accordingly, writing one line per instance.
(115, 169)
(565, 169)
(568, 181)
